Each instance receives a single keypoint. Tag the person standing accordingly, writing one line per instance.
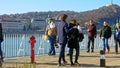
(73, 41)
(91, 35)
(117, 37)
(51, 32)
(105, 34)
(1, 40)
(62, 38)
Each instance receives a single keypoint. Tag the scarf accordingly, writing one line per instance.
(52, 25)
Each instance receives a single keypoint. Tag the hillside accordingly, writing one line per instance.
(110, 13)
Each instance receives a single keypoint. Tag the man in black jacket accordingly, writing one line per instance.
(105, 34)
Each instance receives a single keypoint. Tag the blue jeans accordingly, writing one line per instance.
(1, 54)
(105, 44)
(52, 39)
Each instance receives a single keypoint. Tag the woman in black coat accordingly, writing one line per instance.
(73, 41)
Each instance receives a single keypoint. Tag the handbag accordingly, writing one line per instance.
(81, 37)
(45, 37)
(56, 45)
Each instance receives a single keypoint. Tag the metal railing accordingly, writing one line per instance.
(17, 45)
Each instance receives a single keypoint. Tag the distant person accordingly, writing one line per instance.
(91, 35)
(73, 41)
(105, 34)
(117, 37)
(1, 40)
(51, 32)
(62, 38)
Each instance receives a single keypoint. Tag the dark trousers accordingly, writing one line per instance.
(90, 39)
(62, 53)
(71, 54)
(117, 41)
(1, 54)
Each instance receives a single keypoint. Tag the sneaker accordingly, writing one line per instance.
(72, 64)
(59, 65)
(76, 63)
(65, 62)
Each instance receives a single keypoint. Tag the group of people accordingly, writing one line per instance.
(70, 33)
(64, 34)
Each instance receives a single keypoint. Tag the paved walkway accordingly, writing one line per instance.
(85, 59)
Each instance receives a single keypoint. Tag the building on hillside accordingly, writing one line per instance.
(21, 26)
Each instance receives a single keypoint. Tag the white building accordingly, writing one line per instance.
(12, 25)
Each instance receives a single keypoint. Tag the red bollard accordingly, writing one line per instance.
(32, 42)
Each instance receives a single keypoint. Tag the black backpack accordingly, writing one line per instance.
(73, 36)
(81, 37)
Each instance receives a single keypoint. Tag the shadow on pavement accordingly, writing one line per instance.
(88, 65)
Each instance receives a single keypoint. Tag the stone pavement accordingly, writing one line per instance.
(86, 60)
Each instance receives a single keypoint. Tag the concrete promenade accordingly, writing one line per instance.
(86, 60)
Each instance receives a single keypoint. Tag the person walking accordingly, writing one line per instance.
(51, 32)
(117, 37)
(62, 38)
(1, 40)
(105, 34)
(91, 35)
(73, 41)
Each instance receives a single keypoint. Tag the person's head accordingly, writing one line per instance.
(118, 25)
(73, 22)
(52, 20)
(105, 23)
(63, 17)
(91, 22)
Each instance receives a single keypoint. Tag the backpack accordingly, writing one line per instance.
(81, 37)
(73, 38)
(74, 35)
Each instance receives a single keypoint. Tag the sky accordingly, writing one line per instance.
(24, 6)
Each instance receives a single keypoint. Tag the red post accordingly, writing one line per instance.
(32, 42)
